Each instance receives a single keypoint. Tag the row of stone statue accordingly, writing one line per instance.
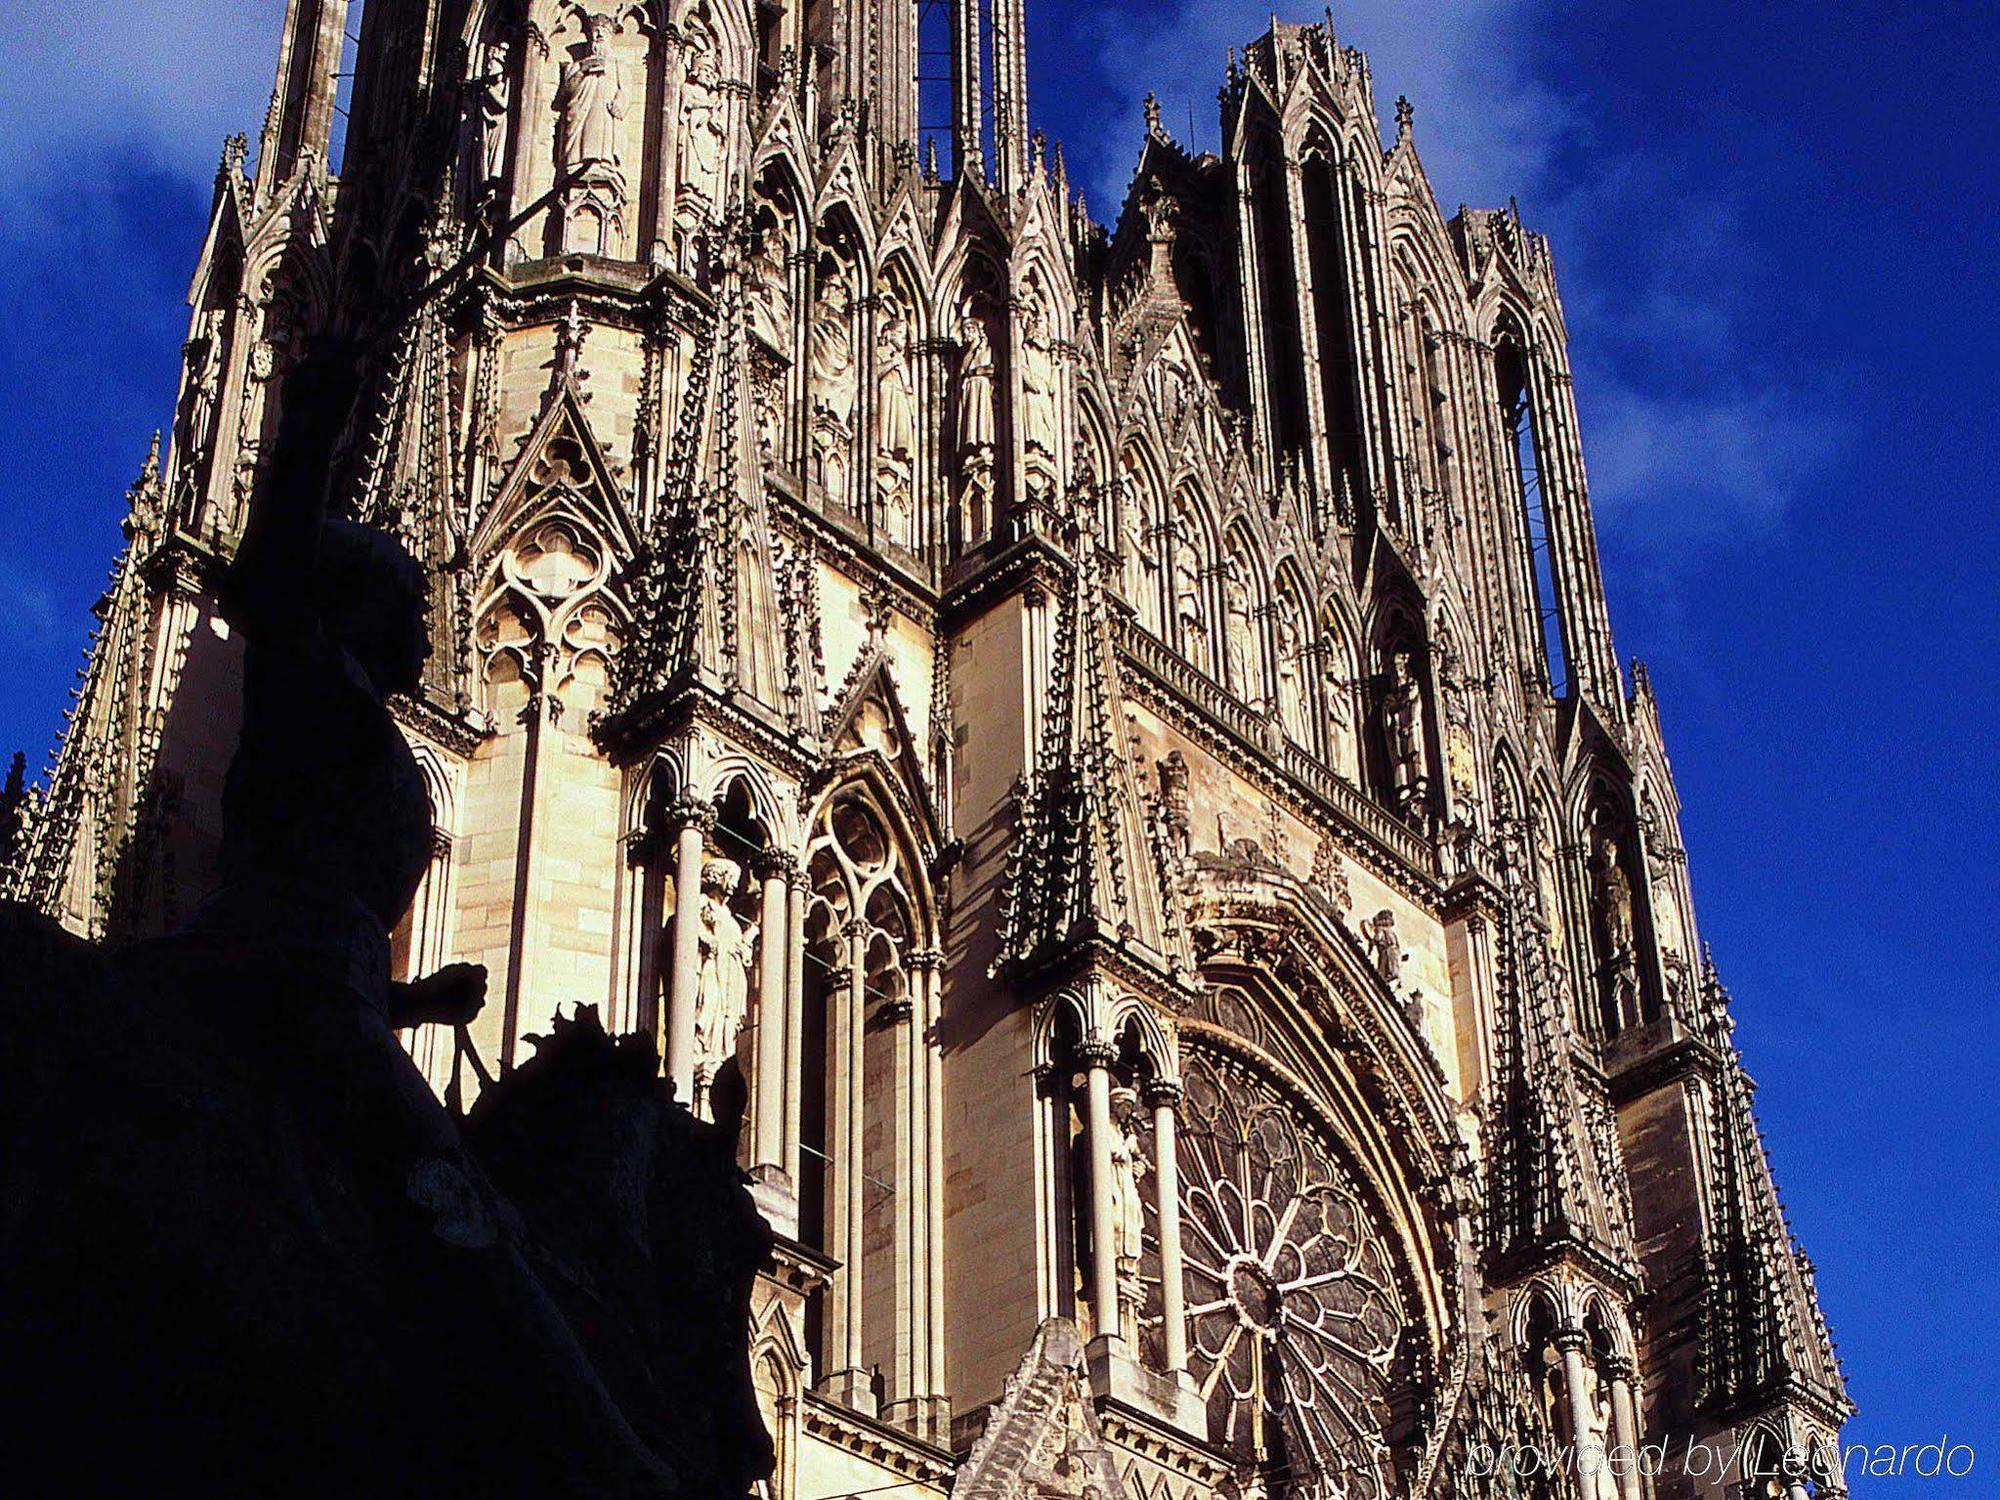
(592, 125)
(837, 324)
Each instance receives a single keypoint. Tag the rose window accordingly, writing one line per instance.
(1293, 1315)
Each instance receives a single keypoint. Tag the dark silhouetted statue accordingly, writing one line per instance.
(239, 1237)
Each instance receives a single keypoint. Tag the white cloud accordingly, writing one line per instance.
(160, 80)
(1691, 439)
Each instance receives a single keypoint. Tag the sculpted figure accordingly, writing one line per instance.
(1038, 381)
(1379, 932)
(590, 101)
(896, 426)
(1128, 1166)
(1611, 893)
(1242, 634)
(1177, 806)
(1403, 727)
(769, 285)
(486, 122)
(703, 126)
(1188, 612)
(975, 389)
(1291, 690)
(833, 385)
(1593, 1443)
(722, 996)
(1614, 898)
(204, 355)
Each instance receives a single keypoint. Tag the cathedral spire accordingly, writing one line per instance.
(1763, 1332)
(1558, 1175)
(1087, 871)
(300, 123)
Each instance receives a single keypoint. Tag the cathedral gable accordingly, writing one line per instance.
(561, 466)
(869, 721)
(1043, 1440)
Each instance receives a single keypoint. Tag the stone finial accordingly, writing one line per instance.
(1406, 114)
(1152, 106)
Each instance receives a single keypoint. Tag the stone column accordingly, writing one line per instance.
(1571, 1344)
(1165, 1099)
(795, 1009)
(768, 1109)
(694, 820)
(933, 1064)
(1096, 1057)
(1625, 1430)
(849, 1384)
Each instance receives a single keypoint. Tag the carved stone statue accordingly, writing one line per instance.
(204, 381)
(1189, 615)
(704, 121)
(1593, 1443)
(1386, 947)
(1040, 422)
(1403, 732)
(590, 101)
(896, 427)
(722, 994)
(1613, 897)
(833, 386)
(1177, 803)
(974, 408)
(1460, 756)
(1128, 1168)
(1242, 633)
(768, 284)
(1611, 901)
(1291, 687)
(486, 120)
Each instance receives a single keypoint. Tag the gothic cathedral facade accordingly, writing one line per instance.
(1111, 739)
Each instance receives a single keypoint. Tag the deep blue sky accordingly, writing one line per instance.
(1775, 227)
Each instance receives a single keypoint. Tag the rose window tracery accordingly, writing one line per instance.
(1294, 1318)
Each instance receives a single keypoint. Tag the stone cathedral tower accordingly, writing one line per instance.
(1115, 736)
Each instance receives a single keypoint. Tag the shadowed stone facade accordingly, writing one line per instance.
(1114, 736)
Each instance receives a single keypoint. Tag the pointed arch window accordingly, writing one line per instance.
(1524, 448)
(1333, 317)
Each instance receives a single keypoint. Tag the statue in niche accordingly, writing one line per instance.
(1291, 688)
(1384, 946)
(1177, 803)
(204, 357)
(1128, 1211)
(1403, 732)
(1040, 421)
(1241, 633)
(833, 386)
(896, 427)
(768, 284)
(1460, 758)
(1189, 615)
(1611, 892)
(1614, 896)
(722, 986)
(1549, 892)
(1593, 1443)
(704, 119)
(973, 415)
(590, 102)
(974, 408)
(492, 94)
